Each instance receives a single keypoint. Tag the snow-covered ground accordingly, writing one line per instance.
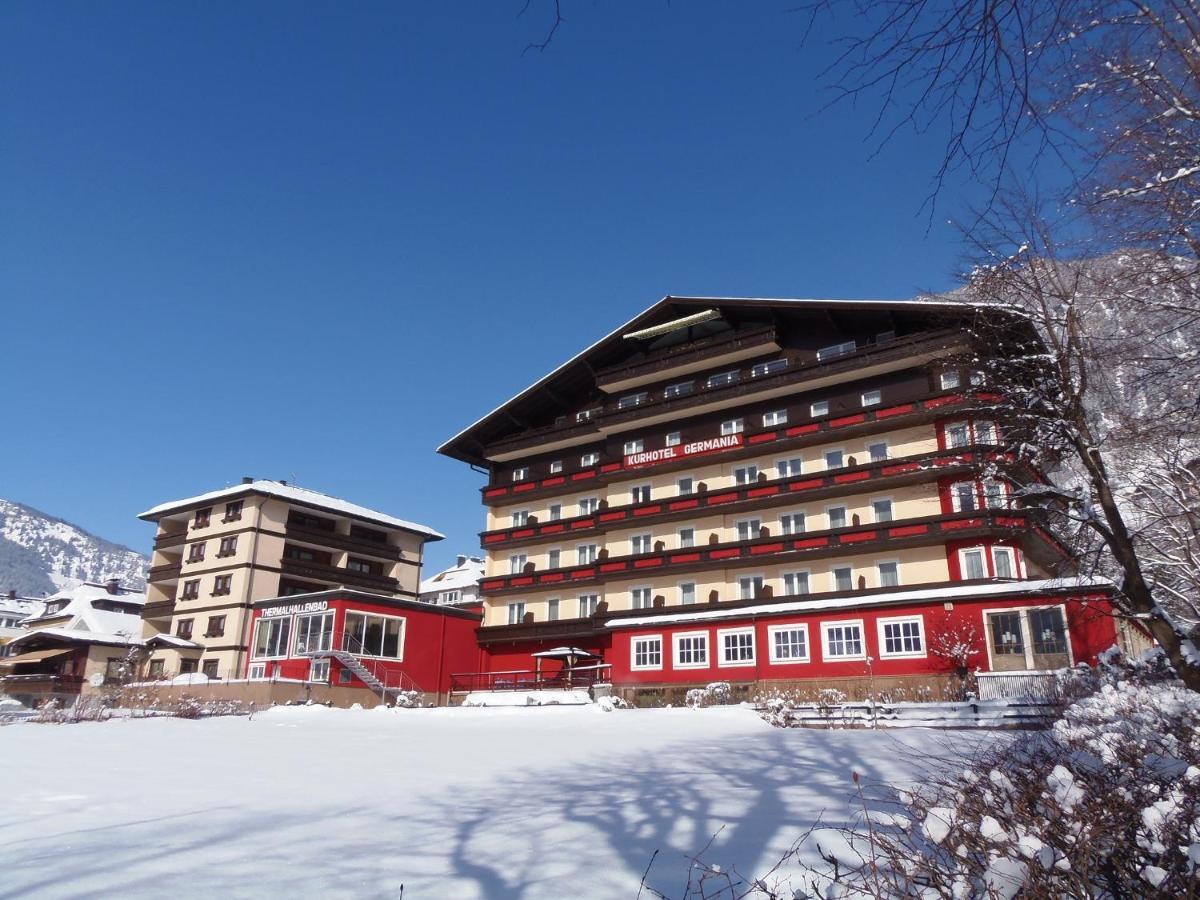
(498, 803)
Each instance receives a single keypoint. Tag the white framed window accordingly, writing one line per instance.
(948, 380)
(634, 446)
(520, 474)
(835, 350)
(314, 633)
(516, 563)
(958, 434)
(995, 494)
(786, 468)
(901, 636)
(520, 517)
(555, 512)
(691, 650)
(795, 583)
(639, 598)
(588, 505)
(318, 670)
(679, 389)
(640, 493)
(258, 671)
(588, 460)
(271, 637)
(972, 563)
(585, 554)
(791, 523)
(872, 398)
(889, 573)
(878, 451)
(369, 634)
(673, 439)
(687, 537)
(963, 496)
(745, 475)
(836, 516)
(881, 508)
(749, 587)
(640, 543)
(788, 643)
(553, 558)
(732, 426)
(552, 607)
(516, 612)
(1004, 562)
(687, 592)
(737, 646)
(835, 459)
(629, 401)
(684, 486)
(645, 652)
(722, 378)
(761, 370)
(986, 433)
(775, 417)
(555, 466)
(843, 640)
(748, 529)
(819, 408)
(843, 578)
(588, 604)
(1028, 638)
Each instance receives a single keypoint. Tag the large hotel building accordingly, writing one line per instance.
(768, 491)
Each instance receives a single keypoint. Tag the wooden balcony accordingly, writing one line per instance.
(342, 542)
(168, 572)
(344, 577)
(713, 352)
(762, 494)
(174, 539)
(775, 550)
(162, 609)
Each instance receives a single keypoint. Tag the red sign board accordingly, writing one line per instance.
(682, 451)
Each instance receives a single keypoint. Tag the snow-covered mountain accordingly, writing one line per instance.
(40, 554)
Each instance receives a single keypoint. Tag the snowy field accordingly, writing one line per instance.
(449, 803)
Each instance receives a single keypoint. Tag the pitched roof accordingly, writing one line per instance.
(292, 494)
(609, 348)
(454, 578)
(84, 621)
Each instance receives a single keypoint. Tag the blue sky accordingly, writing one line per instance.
(291, 240)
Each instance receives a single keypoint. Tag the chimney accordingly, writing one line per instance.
(113, 585)
(462, 561)
(246, 479)
(12, 594)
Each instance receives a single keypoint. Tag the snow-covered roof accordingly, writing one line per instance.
(84, 620)
(455, 578)
(119, 639)
(170, 640)
(998, 589)
(292, 494)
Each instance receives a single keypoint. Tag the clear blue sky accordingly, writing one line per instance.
(281, 239)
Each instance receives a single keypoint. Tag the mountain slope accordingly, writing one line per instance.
(39, 554)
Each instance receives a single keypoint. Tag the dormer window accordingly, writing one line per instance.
(203, 517)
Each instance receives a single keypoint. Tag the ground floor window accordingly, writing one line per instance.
(319, 670)
(737, 647)
(647, 652)
(843, 640)
(187, 666)
(901, 637)
(258, 671)
(157, 667)
(1028, 639)
(370, 635)
(789, 643)
(210, 668)
(113, 669)
(691, 650)
(314, 633)
(271, 637)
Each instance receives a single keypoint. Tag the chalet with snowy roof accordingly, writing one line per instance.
(81, 638)
(767, 492)
(269, 581)
(457, 585)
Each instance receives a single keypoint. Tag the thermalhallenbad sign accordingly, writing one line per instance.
(682, 451)
(291, 608)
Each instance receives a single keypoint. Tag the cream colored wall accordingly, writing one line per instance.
(717, 474)
(907, 503)
(920, 565)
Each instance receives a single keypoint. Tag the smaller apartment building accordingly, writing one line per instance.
(217, 554)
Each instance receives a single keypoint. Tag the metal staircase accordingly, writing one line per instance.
(392, 685)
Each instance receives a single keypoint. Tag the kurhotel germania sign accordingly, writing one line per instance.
(682, 451)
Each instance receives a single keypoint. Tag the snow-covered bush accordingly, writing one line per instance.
(718, 693)
(409, 700)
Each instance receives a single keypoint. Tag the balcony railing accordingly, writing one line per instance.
(684, 354)
(342, 542)
(167, 572)
(581, 677)
(174, 539)
(765, 493)
(347, 577)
